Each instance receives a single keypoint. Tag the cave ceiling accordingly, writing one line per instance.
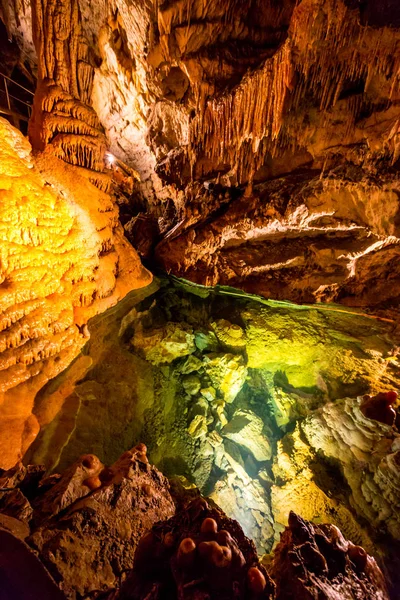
(265, 134)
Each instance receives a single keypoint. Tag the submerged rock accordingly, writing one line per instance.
(227, 373)
(242, 496)
(230, 336)
(246, 429)
(198, 426)
(164, 344)
(191, 384)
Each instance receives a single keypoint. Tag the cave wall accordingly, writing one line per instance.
(63, 259)
(265, 135)
(269, 160)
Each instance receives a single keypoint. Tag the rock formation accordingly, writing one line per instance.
(215, 400)
(266, 137)
(115, 533)
(62, 116)
(342, 464)
(316, 561)
(198, 553)
(63, 259)
(87, 522)
(244, 143)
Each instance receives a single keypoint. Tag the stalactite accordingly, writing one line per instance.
(258, 108)
(62, 108)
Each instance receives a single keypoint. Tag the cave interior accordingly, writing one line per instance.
(199, 300)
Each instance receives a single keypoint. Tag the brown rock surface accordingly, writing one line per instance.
(316, 561)
(92, 543)
(115, 533)
(299, 237)
(340, 466)
(86, 523)
(197, 554)
(200, 554)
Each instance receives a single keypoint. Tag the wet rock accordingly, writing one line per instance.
(206, 341)
(18, 486)
(163, 345)
(198, 426)
(242, 496)
(191, 364)
(77, 481)
(19, 529)
(200, 407)
(230, 336)
(128, 524)
(364, 450)
(191, 384)
(221, 417)
(227, 373)
(13, 477)
(209, 393)
(340, 466)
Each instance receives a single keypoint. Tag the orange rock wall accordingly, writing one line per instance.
(63, 259)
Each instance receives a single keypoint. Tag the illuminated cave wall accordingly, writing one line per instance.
(268, 153)
(63, 259)
(227, 393)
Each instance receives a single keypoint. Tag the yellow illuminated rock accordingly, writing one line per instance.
(63, 259)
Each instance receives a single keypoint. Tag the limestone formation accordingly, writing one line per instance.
(63, 260)
(248, 145)
(295, 361)
(63, 118)
(246, 430)
(198, 553)
(126, 522)
(86, 523)
(303, 237)
(266, 137)
(163, 345)
(316, 561)
(368, 452)
(340, 464)
(242, 496)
